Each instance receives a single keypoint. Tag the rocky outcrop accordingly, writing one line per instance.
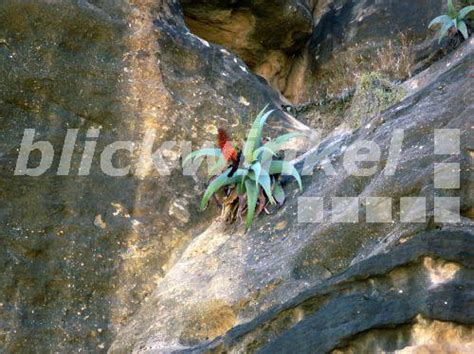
(80, 253)
(95, 263)
(353, 37)
(310, 49)
(416, 296)
(247, 276)
(265, 34)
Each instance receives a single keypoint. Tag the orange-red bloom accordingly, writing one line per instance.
(227, 148)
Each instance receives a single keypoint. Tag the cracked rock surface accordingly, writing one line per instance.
(98, 263)
(247, 276)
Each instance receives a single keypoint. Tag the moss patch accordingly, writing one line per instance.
(375, 93)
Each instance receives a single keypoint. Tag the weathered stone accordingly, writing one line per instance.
(351, 37)
(374, 94)
(265, 34)
(95, 263)
(80, 253)
(381, 304)
(268, 266)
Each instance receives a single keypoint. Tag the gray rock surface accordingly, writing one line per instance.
(307, 49)
(79, 254)
(351, 37)
(99, 263)
(375, 305)
(226, 278)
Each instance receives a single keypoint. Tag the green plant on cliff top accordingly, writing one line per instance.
(452, 22)
(256, 181)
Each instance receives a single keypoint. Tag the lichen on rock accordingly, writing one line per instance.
(207, 321)
(375, 92)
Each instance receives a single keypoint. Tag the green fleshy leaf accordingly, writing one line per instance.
(463, 29)
(254, 137)
(201, 153)
(263, 150)
(252, 195)
(444, 31)
(451, 9)
(465, 11)
(221, 181)
(215, 185)
(265, 182)
(218, 166)
(278, 193)
(276, 144)
(245, 176)
(285, 168)
(256, 168)
(241, 187)
(242, 173)
(440, 20)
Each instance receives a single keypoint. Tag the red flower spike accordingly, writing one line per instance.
(228, 150)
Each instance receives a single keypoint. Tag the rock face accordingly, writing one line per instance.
(95, 263)
(405, 299)
(79, 253)
(307, 49)
(351, 37)
(265, 34)
(249, 275)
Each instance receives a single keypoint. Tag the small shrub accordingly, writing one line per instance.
(250, 186)
(452, 22)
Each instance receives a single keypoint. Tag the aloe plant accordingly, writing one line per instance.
(452, 21)
(255, 183)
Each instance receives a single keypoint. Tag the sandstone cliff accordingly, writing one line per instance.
(98, 263)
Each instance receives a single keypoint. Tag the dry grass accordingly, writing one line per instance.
(393, 59)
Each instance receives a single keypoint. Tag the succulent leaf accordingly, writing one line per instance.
(266, 183)
(451, 9)
(256, 168)
(278, 193)
(254, 137)
(463, 29)
(440, 20)
(263, 150)
(465, 11)
(201, 153)
(252, 196)
(285, 168)
(443, 32)
(218, 166)
(221, 181)
(276, 144)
